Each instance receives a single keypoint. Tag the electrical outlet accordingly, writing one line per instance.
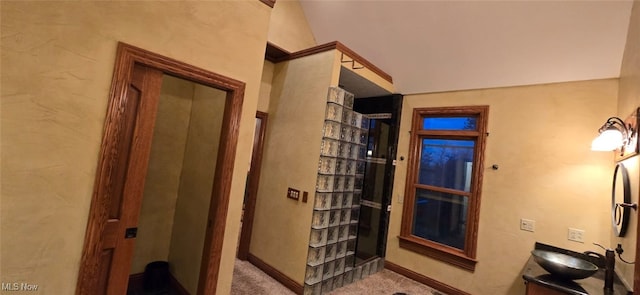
(576, 235)
(528, 225)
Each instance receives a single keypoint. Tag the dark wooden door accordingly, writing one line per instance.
(127, 186)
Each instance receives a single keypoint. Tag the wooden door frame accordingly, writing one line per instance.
(126, 57)
(252, 187)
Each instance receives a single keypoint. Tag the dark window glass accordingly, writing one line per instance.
(446, 163)
(449, 123)
(440, 217)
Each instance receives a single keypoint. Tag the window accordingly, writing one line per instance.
(442, 197)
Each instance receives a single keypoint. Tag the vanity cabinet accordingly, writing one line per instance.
(316, 144)
(537, 289)
(539, 281)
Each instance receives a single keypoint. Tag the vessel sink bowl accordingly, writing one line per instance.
(563, 266)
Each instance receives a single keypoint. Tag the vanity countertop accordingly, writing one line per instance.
(591, 285)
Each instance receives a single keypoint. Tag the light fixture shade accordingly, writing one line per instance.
(609, 140)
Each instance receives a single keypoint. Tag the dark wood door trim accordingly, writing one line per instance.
(252, 187)
(126, 57)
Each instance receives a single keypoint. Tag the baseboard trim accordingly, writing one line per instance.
(176, 286)
(442, 287)
(137, 279)
(276, 274)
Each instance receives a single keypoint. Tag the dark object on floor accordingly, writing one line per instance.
(400, 293)
(156, 276)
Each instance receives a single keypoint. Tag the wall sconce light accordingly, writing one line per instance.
(620, 136)
(614, 134)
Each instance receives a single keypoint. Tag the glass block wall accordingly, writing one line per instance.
(332, 244)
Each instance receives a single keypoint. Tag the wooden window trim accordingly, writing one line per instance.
(465, 259)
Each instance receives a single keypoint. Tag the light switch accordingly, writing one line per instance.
(293, 194)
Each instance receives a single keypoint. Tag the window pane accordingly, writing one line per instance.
(449, 123)
(446, 163)
(440, 217)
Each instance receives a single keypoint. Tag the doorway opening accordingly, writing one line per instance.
(375, 203)
(124, 164)
(383, 110)
(251, 191)
(177, 192)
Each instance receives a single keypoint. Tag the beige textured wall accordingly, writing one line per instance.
(265, 86)
(629, 98)
(288, 28)
(57, 63)
(163, 176)
(540, 137)
(628, 101)
(281, 226)
(196, 181)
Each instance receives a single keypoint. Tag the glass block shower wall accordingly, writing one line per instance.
(332, 243)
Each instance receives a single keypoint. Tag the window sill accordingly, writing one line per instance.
(437, 251)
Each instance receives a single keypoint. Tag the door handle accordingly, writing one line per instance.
(131, 233)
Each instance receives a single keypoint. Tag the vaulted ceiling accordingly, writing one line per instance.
(432, 46)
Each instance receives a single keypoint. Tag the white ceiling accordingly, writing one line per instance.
(431, 46)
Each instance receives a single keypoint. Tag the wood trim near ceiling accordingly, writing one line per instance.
(269, 3)
(330, 46)
(442, 287)
(313, 50)
(274, 53)
(346, 50)
(276, 274)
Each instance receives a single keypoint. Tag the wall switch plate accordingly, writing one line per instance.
(576, 235)
(527, 225)
(293, 194)
(305, 197)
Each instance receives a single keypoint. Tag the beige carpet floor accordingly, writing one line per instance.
(386, 282)
(248, 279)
